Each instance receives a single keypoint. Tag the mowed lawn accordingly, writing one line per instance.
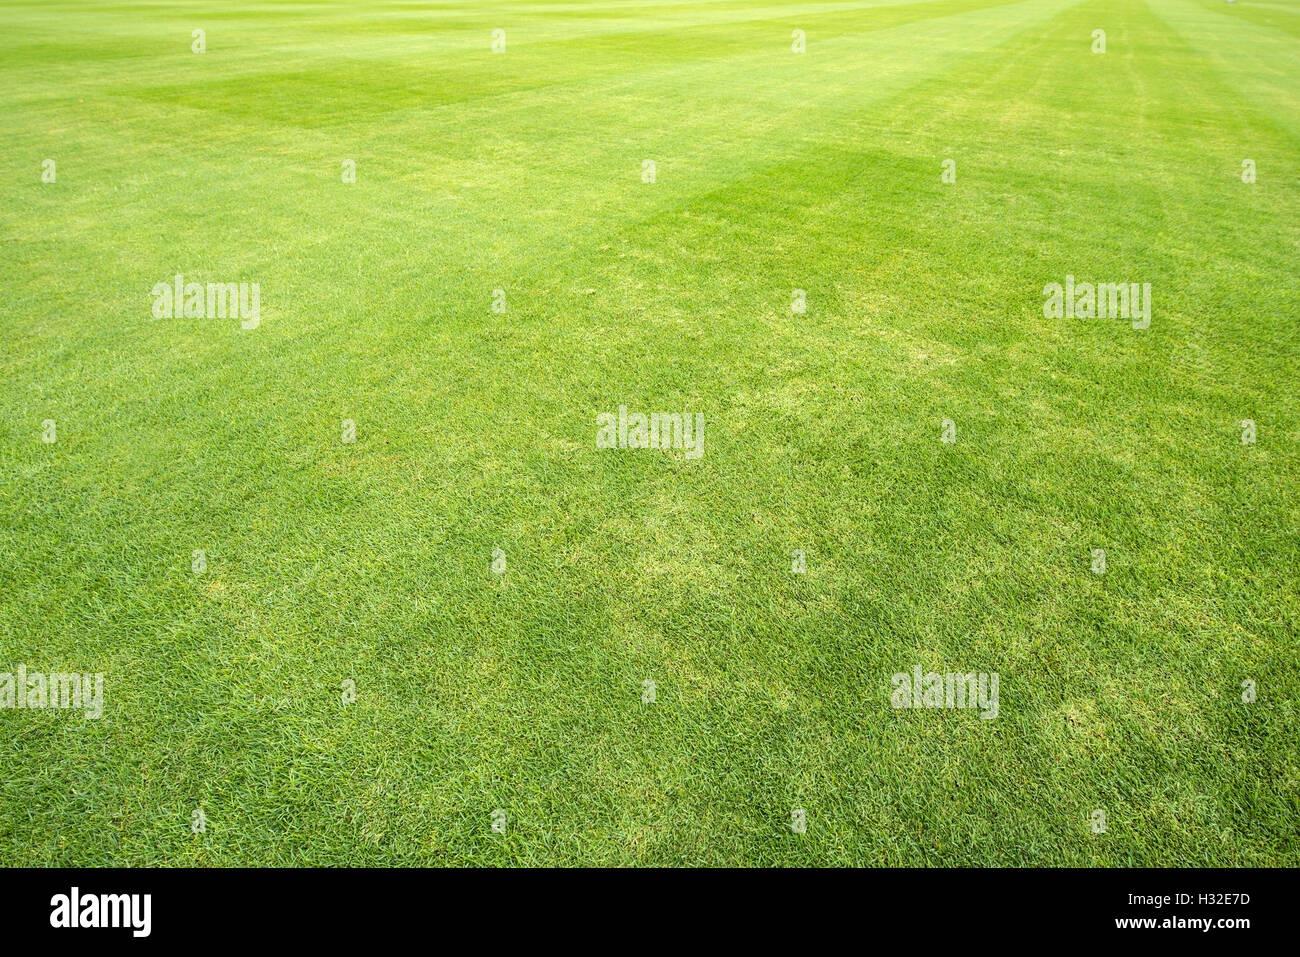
(524, 690)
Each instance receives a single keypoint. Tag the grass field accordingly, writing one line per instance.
(523, 690)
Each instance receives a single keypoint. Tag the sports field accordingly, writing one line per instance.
(366, 554)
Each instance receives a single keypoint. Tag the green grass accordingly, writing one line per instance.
(476, 431)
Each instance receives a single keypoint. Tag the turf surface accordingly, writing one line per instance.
(371, 561)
